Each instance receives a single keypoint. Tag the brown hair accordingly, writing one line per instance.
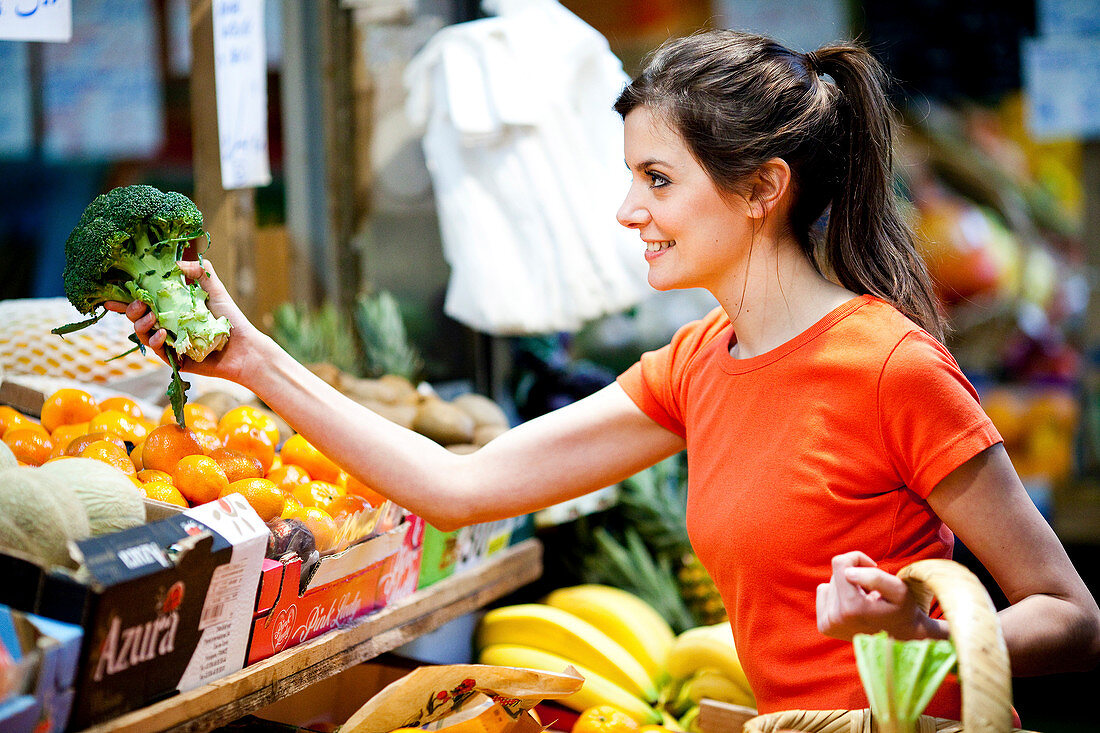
(739, 100)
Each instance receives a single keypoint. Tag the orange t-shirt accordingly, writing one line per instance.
(826, 444)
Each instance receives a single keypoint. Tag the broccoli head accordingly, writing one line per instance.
(125, 247)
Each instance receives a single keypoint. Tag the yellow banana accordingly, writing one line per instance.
(560, 632)
(707, 647)
(669, 722)
(689, 721)
(597, 689)
(623, 616)
(711, 684)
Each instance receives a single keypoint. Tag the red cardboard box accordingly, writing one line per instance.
(344, 586)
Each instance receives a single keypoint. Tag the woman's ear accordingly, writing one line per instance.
(770, 184)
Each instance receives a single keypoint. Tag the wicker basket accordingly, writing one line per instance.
(984, 672)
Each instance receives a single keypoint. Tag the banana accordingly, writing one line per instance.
(710, 684)
(707, 647)
(597, 689)
(569, 636)
(669, 722)
(623, 616)
(689, 721)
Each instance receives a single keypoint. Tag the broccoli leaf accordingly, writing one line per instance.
(70, 327)
(177, 388)
(900, 677)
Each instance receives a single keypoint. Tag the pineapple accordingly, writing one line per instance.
(386, 347)
(655, 502)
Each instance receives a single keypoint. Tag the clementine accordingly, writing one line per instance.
(196, 416)
(262, 495)
(164, 491)
(316, 493)
(62, 435)
(111, 454)
(301, 452)
(147, 475)
(166, 445)
(321, 525)
(287, 476)
(199, 478)
(68, 405)
(604, 719)
(292, 507)
(124, 405)
(115, 421)
(237, 464)
(10, 417)
(30, 446)
(250, 415)
(79, 443)
(357, 487)
(250, 439)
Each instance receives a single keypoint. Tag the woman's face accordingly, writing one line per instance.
(696, 236)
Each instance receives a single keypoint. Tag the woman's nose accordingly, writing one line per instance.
(631, 214)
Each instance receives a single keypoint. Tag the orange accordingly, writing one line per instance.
(62, 435)
(196, 415)
(111, 454)
(358, 488)
(238, 464)
(604, 719)
(287, 476)
(249, 415)
(653, 728)
(199, 478)
(31, 446)
(68, 405)
(164, 491)
(10, 417)
(301, 452)
(115, 421)
(292, 507)
(276, 461)
(79, 443)
(316, 493)
(347, 505)
(209, 439)
(124, 405)
(321, 525)
(147, 475)
(135, 455)
(250, 439)
(262, 494)
(166, 445)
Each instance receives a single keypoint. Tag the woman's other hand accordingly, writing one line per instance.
(860, 598)
(227, 362)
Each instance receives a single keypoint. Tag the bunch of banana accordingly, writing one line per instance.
(702, 664)
(616, 641)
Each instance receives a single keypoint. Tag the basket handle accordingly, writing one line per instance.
(984, 671)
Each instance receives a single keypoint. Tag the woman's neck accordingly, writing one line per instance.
(780, 296)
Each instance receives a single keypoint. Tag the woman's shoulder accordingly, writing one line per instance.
(698, 333)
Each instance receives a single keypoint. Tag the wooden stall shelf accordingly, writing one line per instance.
(298, 667)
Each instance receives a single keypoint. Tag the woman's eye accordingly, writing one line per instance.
(656, 180)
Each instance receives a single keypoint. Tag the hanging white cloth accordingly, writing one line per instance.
(525, 156)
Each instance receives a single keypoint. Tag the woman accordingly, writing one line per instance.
(831, 439)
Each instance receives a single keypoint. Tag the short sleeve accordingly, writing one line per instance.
(932, 421)
(658, 380)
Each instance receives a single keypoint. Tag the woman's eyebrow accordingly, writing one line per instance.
(642, 165)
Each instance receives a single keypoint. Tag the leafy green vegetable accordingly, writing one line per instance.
(125, 247)
(900, 677)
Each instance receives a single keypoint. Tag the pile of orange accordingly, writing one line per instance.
(211, 457)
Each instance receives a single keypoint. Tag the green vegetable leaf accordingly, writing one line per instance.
(900, 677)
(177, 388)
(70, 327)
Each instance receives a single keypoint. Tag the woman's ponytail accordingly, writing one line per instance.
(868, 245)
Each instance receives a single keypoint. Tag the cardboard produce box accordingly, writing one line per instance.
(447, 553)
(44, 654)
(165, 607)
(364, 578)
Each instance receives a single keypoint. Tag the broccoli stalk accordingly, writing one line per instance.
(126, 246)
(900, 677)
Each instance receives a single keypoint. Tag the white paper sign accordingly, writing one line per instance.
(240, 78)
(1063, 97)
(36, 20)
